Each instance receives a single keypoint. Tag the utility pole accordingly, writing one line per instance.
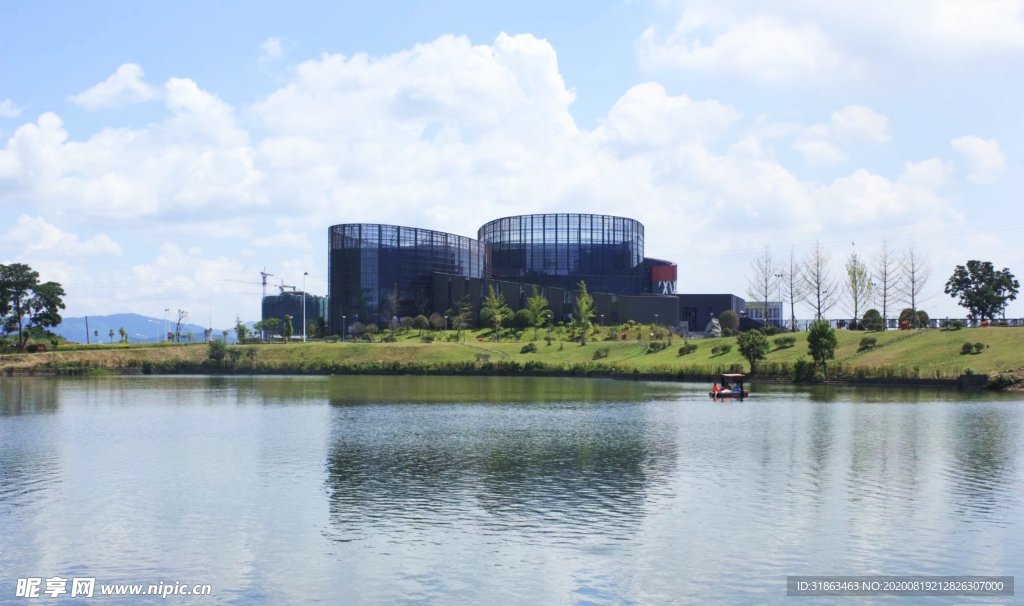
(86, 330)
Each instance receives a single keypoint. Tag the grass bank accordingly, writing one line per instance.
(897, 357)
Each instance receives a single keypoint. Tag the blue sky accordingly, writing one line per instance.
(150, 153)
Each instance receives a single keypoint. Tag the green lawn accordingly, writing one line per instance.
(933, 353)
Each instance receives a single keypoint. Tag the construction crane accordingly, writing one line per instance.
(265, 275)
(283, 286)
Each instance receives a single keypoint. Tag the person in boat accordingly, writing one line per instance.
(715, 388)
(725, 385)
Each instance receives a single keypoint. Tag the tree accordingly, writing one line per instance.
(915, 274)
(123, 334)
(437, 321)
(421, 323)
(371, 330)
(537, 308)
(583, 312)
(753, 346)
(858, 286)
(27, 303)
(286, 328)
(494, 310)
(818, 286)
(271, 326)
(872, 320)
(886, 279)
(763, 279)
(463, 317)
(241, 330)
(729, 320)
(182, 316)
(982, 290)
(822, 342)
(391, 309)
(792, 287)
(111, 333)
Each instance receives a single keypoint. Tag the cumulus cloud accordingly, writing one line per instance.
(124, 87)
(984, 157)
(8, 109)
(444, 135)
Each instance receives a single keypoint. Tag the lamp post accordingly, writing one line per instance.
(343, 328)
(304, 274)
(655, 319)
(779, 277)
(446, 323)
(602, 319)
(166, 311)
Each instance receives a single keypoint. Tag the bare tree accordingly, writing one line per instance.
(763, 280)
(887, 279)
(858, 286)
(182, 316)
(792, 286)
(820, 290)
(915, 274)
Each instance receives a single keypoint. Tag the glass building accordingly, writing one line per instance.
(561, 249)
(371, 263)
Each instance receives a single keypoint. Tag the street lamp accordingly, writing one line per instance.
(602, 319)
(446, 323)
(655, 319)
(166, 311)
(343, 328)
(780, 277)
(304, 274)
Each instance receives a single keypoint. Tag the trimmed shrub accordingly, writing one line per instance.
(655, 347)
(978, 347)
(528, 348)
(966, 348)
(427, 338)
(872, 320)
(687, 349)
(483, 357)
(601, 352)
(784, 342)
(867, 343)
(953, 324)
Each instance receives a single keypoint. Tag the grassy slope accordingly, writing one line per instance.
(930, 351)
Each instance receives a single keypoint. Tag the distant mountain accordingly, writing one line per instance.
(141, 329)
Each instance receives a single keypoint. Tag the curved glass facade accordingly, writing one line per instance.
(368, 262)
(562, 249)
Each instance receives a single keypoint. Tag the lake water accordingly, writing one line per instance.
(443, 490)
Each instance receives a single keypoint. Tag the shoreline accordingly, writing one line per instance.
(970, 383)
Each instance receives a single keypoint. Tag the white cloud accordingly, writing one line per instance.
(984, 157)
(445, 135)
(812, 41)
(647, 117)
(767, 49)
(37, 236)
(271, 49)
(860, 122)
(8, 109)
(822, 144)
(124, 87)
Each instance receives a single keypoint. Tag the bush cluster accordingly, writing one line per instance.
(528, 348)
(687, 349)
(721, 350)
(601, 352)
(867, 343)
(655, 347)
(971, 348)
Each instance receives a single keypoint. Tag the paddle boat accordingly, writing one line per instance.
(731, 387)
